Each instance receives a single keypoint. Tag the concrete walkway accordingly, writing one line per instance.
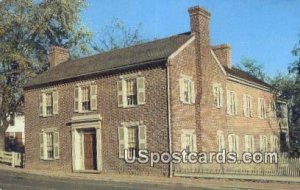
(205, 181)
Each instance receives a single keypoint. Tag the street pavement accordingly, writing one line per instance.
(10, 180)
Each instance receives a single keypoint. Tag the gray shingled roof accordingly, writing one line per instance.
(134, 55)
(241, 74)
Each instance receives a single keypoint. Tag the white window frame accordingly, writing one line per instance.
(43, 144)
(124, 138)
(218, 95)
(43, 102)
(140, 90)
(190, 90)
(263, 143)
(249, 143)
(231, 102)
(248, 110)
(274, 143)
(93, 97)
(221, 141)
(193, 139)
(261, 108)
(233, 143)
(272, 110)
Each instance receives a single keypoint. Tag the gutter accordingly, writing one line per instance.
(169, 117)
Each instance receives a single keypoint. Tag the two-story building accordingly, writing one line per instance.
(166, 95)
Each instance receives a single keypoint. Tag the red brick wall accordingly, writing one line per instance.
(153, 114)
(183, 115)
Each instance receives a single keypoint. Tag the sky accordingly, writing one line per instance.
(265, 31)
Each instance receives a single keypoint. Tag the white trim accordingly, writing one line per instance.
(130, 76)
(247, 83)
(87, 83)
(182, 47)
(85, 122)
(218, 62)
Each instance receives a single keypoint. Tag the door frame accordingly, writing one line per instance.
(77, 124)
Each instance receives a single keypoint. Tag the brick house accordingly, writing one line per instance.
(166, 95)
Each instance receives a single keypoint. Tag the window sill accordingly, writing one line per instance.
(49, 159)
(133, 106)
(89, 111)
(47, 115)
(187, 103)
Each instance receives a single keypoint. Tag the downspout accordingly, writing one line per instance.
(169, 118)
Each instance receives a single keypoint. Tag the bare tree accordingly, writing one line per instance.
(117, 35)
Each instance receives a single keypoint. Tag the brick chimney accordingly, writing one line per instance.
(58, 55)
(200, 21)
(223, 53)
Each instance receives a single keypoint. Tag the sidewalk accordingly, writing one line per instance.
(207, 181)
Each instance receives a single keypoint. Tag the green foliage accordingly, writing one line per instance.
(117, 35)
(253, 68)
(27, 30)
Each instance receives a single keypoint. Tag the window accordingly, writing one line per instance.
(247, 105)
(261, 108)
(133, 142)
(249, 143)
(274, 143)
(263, 143)
(131, 91)
(187, 90)
(188, 141)
(231, 103)
(233, 142)
(221, 141)
(85, 98)
(272, 110)
(132, 137)
(48, 103)
(49, 145)
(11, 136)
(218, 95)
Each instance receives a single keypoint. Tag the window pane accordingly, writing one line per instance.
(86, 98)
(49, 104)
(132, 142)
(49, 139)
(131, 92)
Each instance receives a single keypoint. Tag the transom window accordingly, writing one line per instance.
(131, 91)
